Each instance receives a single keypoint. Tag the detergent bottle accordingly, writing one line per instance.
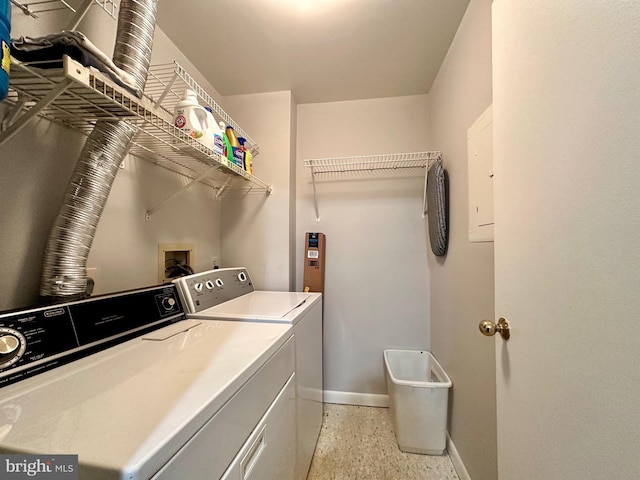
(246, 154)
(192, 118)
(236, 154)
(5, 54)
(218, 136)
(228, 151)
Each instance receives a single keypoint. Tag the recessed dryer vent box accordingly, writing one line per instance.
(173, 256)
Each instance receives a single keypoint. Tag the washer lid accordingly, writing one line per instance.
(259, 305)
(128, 409)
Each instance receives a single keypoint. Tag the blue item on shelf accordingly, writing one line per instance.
(5, 40)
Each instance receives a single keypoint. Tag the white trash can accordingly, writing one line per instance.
(418, 390)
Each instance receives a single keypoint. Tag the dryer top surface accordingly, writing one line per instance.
(285, 307)
(129, 408)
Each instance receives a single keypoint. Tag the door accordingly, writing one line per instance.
(566, 107)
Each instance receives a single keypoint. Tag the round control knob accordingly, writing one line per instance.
(8, 344)
(12, 346)
(242, 277)
(219, 283)
(168, 303)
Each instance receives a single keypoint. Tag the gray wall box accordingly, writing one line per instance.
(480, 159)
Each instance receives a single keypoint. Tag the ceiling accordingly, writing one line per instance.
(321, 50)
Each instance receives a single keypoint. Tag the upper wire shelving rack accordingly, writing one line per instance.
(43, 6)
(165, 145)
(77, 96)
(166, 84)
(364, 166)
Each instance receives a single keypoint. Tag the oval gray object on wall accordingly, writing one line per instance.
(438, 208)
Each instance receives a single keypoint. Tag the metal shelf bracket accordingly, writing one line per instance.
(21, 121)
(205, 174)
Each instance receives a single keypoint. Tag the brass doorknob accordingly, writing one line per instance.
(488, 328)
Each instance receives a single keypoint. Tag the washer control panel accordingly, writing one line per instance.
(208, 289)
(37, 339)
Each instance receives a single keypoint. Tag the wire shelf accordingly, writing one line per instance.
(78, 97)
(159, 141)
(73, 95)
(166, 84)
(367, 165)
(43, 6)
(371, 163)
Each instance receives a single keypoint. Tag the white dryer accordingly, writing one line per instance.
(139, 392)
(229, 294)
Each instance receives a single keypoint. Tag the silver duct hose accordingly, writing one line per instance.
(64, 274)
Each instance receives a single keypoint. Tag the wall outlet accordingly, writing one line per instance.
(214, 263)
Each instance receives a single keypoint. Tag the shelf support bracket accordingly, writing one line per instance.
(80, 13)
(12, 115)
(33, 111)
(204, 175)
(315, 199)
(425, 207)
(223, 188)
(25, 9)
(166, 90)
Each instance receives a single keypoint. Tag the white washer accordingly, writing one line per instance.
(229, 294)
(172, 398)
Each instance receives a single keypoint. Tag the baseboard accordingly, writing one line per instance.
(456, 460)
(351, 398)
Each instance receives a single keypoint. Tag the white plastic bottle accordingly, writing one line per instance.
(218, 140)
(192, 118)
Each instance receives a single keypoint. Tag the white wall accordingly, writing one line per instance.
(124, 254)
(37, 164)
(377, 280)
(462, 290)
(256, 227)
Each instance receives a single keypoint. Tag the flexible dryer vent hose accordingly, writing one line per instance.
(64, 274)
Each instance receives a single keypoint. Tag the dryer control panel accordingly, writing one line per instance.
(38, 339)
(208, 289)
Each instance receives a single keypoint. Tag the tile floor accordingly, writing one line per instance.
(358, 443)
